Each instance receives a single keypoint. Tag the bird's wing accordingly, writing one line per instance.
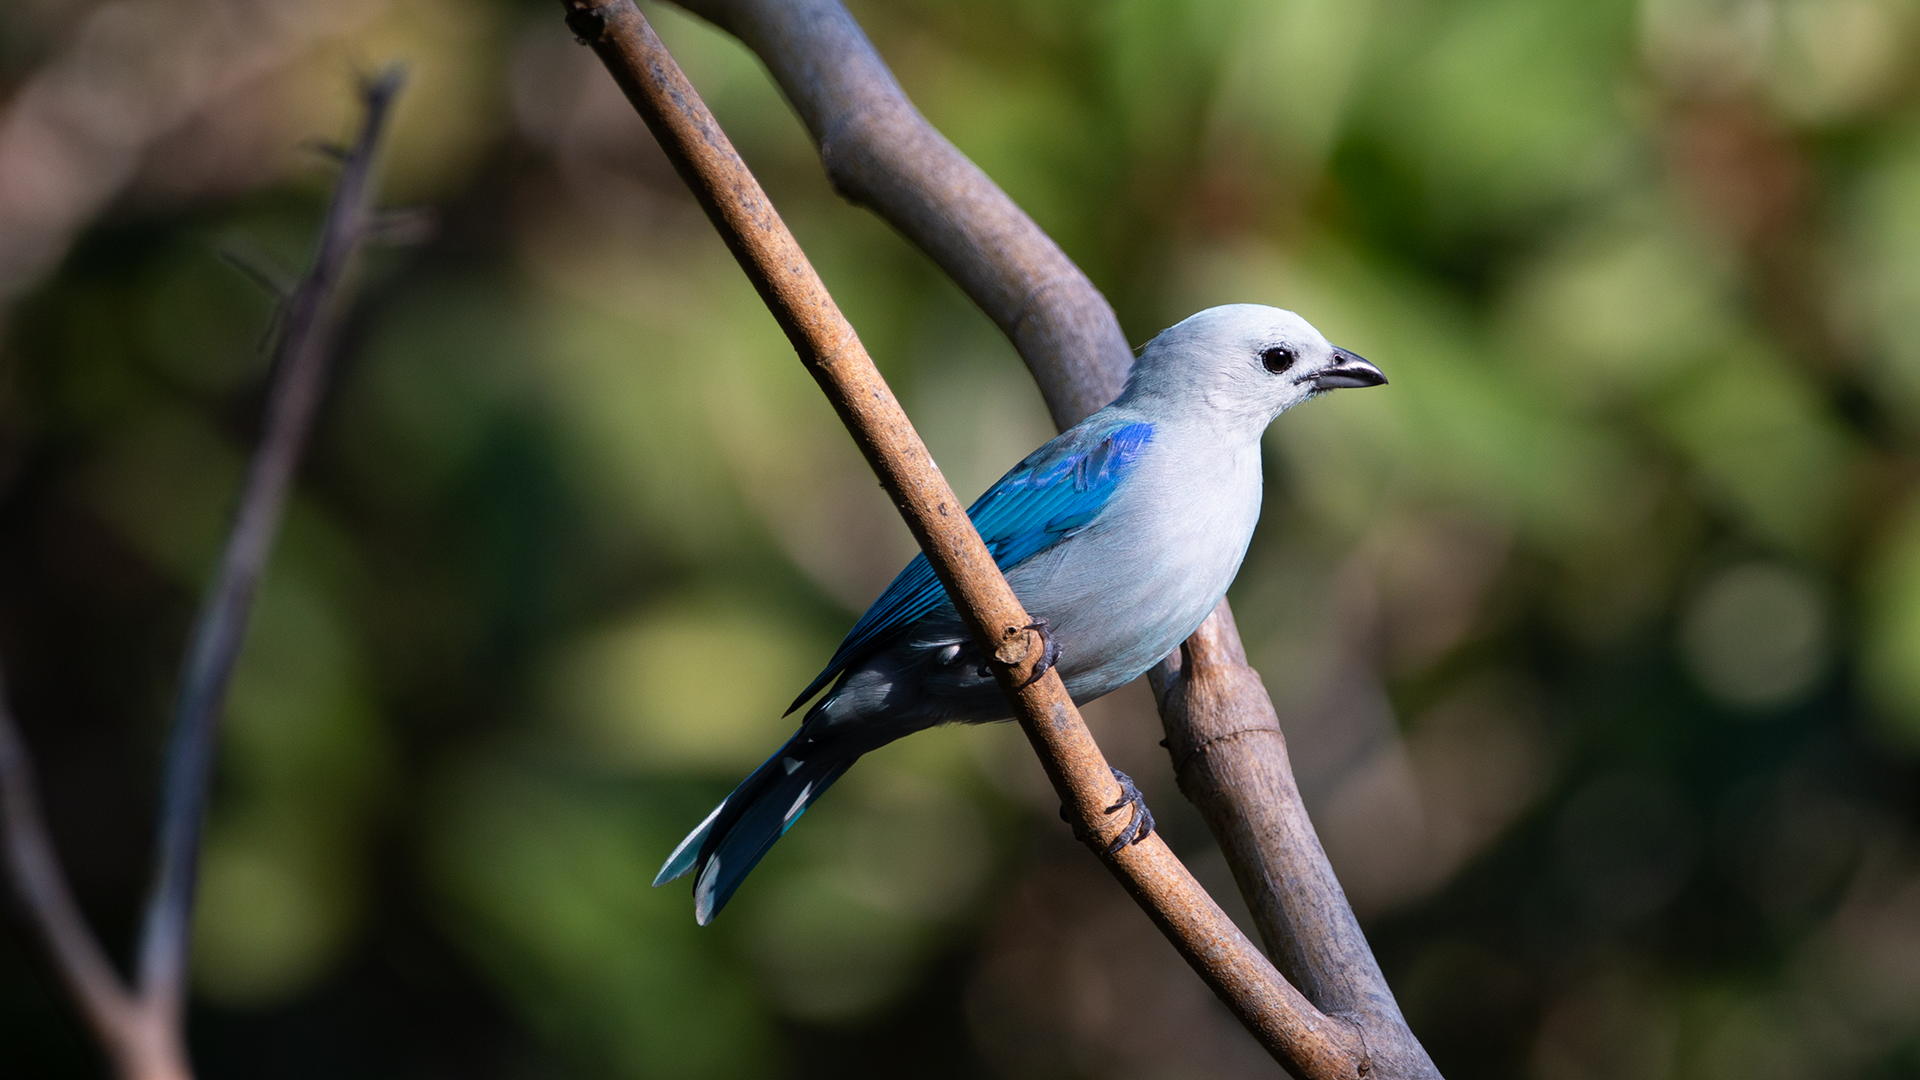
(1057, 491)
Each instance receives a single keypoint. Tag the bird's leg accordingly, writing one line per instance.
(1138, 829)
(1049, 650)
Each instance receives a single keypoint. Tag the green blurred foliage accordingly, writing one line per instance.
(1596, 634)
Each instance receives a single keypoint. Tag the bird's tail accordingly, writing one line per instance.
(732, 840)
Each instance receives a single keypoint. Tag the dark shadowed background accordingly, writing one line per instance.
(1596, 635)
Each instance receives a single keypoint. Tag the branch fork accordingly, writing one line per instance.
(1306, 1041)
(141, 1025)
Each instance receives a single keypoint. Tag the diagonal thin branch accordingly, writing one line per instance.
(1231, 761)
(300, 365)
(44, 896)
(142, 1029)
(1303, 1039)
(880, 152)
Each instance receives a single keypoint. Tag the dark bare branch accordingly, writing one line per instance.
(44, 897)
(141, 1030)
(882, 153)
(1306, 1041)
(300, 365)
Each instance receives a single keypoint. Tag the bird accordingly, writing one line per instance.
(1119, 536)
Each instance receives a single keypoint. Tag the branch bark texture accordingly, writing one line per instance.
(142, 1028)
(881, 153)
(1302, 1038)
(1231, 762)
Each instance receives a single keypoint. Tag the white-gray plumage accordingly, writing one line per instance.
(1122, 534)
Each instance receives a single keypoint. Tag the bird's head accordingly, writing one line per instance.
(1241, 365)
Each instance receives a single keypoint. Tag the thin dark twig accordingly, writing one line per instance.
(257, 269)
(300, 364)
(141, 1029)
(44, 896)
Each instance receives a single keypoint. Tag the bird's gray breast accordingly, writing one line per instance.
(1126, 592)
(1118, 596)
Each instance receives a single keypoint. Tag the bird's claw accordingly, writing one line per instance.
(1138, 829)
(1049, 650)
(1141, 825)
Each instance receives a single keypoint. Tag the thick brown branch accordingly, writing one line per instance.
(1300, 1036)
(882, 153)
(1231, 761)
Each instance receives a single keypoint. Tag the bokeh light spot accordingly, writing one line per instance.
(1755, 635)
(696, 686)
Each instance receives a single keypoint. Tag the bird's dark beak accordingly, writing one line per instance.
(1347, 372)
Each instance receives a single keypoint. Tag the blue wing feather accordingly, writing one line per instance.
(1057, 491)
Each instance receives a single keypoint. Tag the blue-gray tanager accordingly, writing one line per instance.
(1120, 536)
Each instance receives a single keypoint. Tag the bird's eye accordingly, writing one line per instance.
(1277, 359)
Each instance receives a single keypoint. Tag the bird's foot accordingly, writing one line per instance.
(1141, 825)
(1138, 829)
(1049, 650)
